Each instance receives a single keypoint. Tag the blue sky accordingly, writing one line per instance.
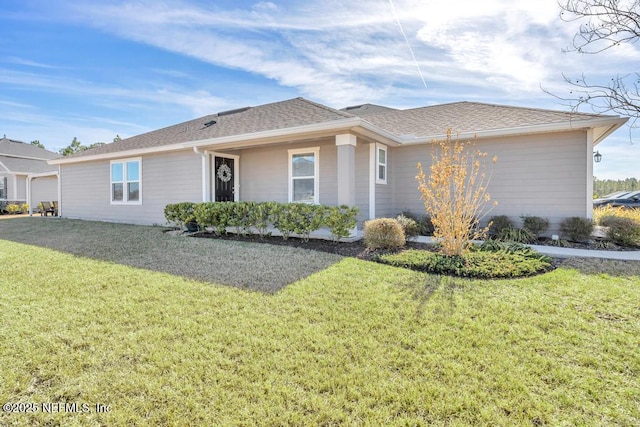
(92, 70)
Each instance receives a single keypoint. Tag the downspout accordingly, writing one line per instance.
(205, 174)
(589, 207)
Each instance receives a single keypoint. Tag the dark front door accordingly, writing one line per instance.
(224, 176)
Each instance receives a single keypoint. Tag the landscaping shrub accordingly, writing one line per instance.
(12, 208)
(24, 208)
(622, 231)
(180, 214)
(214, 215)
(454, 193)
(425, 226)
(535, 224)
(340, 220)
(260, 215)
(603, 211)
(409, 226)
(383, 233)
(476, 263)
(576, 228)
(520, 235)
(499, 223)
(299, 218)
(240, 217)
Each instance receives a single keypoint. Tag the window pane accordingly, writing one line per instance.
(382, 172)
(133, 171)
(303, 190)
(382, 156)
(303, 165)
(116, 172)
(117, 192)
(134, 193)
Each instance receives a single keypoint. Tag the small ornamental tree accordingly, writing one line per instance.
(455, 194)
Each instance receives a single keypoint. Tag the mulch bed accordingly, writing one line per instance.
(351, 249)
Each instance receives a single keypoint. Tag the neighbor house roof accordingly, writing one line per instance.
(13, 148)
(28, 166)
(296, 117)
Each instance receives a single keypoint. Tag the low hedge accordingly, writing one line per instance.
(255, 217)
(498, 261)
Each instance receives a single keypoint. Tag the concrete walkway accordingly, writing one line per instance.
(557, 252)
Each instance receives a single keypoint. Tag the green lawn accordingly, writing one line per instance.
(356, 343)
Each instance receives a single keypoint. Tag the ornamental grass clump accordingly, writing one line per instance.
(455, 194)
(383, 233)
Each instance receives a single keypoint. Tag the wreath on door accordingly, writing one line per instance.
(224, 173)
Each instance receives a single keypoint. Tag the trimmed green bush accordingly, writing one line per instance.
(476, 263)
(24, 208)
(622, 231)
(12, 208)
(340, 220)
(180, 214)
(383, 233)
(499, 223)
(576, 228)
(409, 226)
(298, 218)
(535, 224)
(425, 226)
(213, 215)
(260, 216)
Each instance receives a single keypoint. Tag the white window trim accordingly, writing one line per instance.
(124, 182)
(385, 164)
(316, 172)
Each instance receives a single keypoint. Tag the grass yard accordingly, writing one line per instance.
(354, 343)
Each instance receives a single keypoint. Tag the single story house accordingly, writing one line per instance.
(365, 156)
(25, 175)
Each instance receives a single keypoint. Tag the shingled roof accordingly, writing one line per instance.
(467, 117)
(14, 148)
(17, 164)
(398, 125)
(278, 115)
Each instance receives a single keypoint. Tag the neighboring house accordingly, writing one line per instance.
(25, 175)
(298, 150)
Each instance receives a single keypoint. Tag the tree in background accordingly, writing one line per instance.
(602, 187)
(38, 144)
(455, 194)
(607, 24)
(76, 146)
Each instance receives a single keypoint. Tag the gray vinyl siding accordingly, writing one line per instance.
(540, 175)
(166, 178)
(43, 189)
(264, 172)
(21, 187)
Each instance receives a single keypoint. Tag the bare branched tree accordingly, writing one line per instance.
(606, 24)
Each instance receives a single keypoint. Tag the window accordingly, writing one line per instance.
(381, 162)
(303, 175)
(3, 187)
(125, 181)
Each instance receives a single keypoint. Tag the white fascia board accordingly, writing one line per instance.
(613, 123)
(42, 174)
(343, 124)
(118, 154)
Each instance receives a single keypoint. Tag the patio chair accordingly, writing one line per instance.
(46, 209)
(54, 205)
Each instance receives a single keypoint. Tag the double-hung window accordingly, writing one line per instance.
(303, 175)
(126, 181)
(381, 163)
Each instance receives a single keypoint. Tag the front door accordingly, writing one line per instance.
(224, 177)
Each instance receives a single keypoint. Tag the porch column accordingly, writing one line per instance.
(346, 167)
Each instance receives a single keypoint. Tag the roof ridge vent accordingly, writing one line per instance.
(229, 112)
